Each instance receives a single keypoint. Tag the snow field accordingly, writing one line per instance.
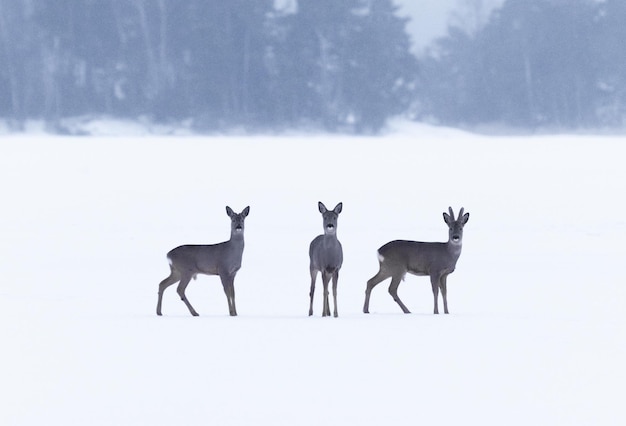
(535, 334)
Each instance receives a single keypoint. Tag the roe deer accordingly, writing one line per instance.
(223, 259)
(326, 256)
(437, 260)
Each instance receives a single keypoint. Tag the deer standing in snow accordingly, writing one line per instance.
(223, 259)
(437, 260)
(326, 256)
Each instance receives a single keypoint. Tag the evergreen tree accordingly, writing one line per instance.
(346, 63)
(220, 57)
(610, 61)
(340, 64)
(15, 46)
(379, 68)
(531, 65)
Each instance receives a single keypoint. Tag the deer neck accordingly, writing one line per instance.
(454, 248)
(330, 237)
(236, 237)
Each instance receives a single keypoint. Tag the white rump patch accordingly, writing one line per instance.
(381, 258)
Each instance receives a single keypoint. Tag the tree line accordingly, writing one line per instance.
(557, 64)
(338, 65)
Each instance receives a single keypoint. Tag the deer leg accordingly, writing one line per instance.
(393, 290)
(443, 286)
(181, 292)
(232, 290)
(312, 292)
(371, 283)
(434, 282)
(163, 285)
(229, 290)
(325, 281)
(335, 279)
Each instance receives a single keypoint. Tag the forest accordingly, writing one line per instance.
(334, 65)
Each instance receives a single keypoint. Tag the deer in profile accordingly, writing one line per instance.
(223, 259)
(437, 260)
(326, 256)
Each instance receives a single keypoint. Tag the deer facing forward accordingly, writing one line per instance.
(223, 259)
(437, 260)
(326, 256)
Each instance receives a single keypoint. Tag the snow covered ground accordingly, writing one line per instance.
(537, 324)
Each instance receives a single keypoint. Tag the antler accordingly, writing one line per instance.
(451, 213)
(461, 212)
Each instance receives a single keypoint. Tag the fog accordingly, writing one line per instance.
(344, 66)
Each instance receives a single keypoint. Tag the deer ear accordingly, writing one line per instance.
(338, 208)
(447, 218)
(229, 211)
(465, 218)
(246, 211)
(322, 207)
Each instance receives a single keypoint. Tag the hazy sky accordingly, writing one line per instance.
(429, 18)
